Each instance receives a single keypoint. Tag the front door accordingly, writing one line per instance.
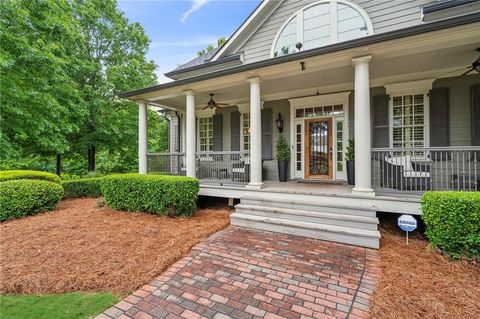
(318, 148)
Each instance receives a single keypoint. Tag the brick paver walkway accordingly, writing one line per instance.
(243, 273)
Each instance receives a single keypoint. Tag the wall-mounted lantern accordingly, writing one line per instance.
(279, 123)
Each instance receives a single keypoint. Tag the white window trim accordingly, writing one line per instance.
(203, 114)
(318, 100)
(407, 88)
(333, 21)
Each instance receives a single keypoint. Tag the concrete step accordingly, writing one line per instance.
(317, 217)
(315, 204)
(334, 233)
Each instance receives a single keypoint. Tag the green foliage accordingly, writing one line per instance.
(23, 197)
(23, 174)
(85, 187)
(62, 64)
(210, 47)
(283, 150)
(453, 222)
(70, 305)
(350, 154)
(158, 194)
(38, 58)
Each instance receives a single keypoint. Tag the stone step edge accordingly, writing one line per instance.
(312, 226)
(309, 213)
(296, 202)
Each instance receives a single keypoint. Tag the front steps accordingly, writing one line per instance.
(315, 218)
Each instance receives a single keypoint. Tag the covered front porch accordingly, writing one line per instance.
(412, 117)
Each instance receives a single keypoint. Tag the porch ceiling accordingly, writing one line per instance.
(432, 55)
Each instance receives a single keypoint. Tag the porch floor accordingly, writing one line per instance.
(320, 193)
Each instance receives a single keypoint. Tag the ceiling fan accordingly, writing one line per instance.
(474, 67)
(211, 103)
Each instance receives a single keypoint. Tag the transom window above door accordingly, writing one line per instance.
(322, 23)
(327, 110)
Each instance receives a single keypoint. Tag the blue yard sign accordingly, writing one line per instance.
(407, 223)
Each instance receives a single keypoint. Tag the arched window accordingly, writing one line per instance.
(322, 23)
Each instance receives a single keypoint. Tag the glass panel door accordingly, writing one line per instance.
(298, 152)
(318, 148)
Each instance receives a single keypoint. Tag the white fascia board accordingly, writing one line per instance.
(266, 4)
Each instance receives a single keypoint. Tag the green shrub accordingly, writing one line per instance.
(453, 222)
(85, 187)
(159, 194)
(23, 197)
(20, 174)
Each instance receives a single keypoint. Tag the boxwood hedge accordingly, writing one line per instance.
(24, 174)
(453, 222)
(23, 197)
(85, 187)
(158, 194)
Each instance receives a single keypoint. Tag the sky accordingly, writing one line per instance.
(179, 29)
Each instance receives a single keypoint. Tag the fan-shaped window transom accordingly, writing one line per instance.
(322, 23)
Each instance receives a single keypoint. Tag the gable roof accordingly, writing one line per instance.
(208, 58)
(249, 26)
(377, 38)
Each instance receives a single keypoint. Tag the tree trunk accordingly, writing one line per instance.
(91, 158)
(59, 164)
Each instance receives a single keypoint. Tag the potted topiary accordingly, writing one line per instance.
(283, 155)
(350, 157)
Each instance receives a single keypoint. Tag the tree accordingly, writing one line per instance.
(113, 60)
(40, 101)
(220, 42)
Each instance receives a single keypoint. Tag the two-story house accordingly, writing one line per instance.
(400, 78)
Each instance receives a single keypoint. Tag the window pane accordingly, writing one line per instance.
(287, 39)
(351, 24)
(316, 26)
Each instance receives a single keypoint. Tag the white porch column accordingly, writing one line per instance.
(190, 134)
(363, 170)
(255, 134)
(142, 138)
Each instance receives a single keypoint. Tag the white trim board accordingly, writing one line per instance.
(313, 101)
(333, 21)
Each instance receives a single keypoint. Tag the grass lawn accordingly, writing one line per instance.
(70, 305)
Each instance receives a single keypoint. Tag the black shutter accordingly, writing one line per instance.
(476, 115)
(381, 136)
(235, 131)
(439, 117)
(217, 132)
(267, 153)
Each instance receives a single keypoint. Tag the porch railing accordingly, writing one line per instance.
(223, 167)
(215, 167)
(424, 169)
(166, 163)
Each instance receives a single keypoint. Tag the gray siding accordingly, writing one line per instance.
(386, 15)
(226, 125)
(460, 107)
(270, 168)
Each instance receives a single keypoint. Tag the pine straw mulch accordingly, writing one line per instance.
(418, 282)
(79, 247)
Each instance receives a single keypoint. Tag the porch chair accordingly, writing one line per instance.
(241, 170)
(399, 172)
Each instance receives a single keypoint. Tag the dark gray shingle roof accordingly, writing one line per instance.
(198, 60)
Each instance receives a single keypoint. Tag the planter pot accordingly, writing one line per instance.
(351, 172)
(282, 170)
